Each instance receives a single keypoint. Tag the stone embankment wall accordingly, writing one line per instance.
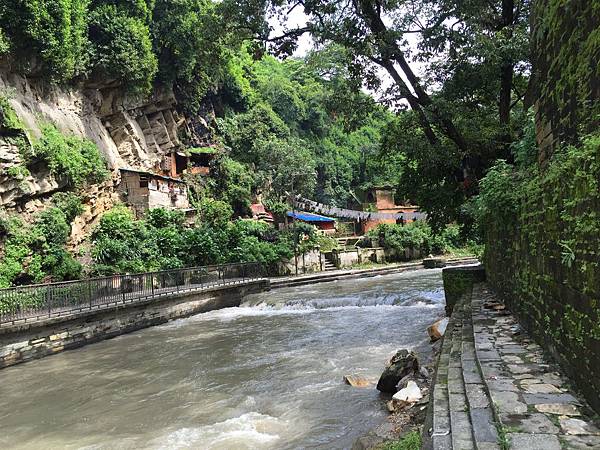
(545, 259)
(347, 258)
(314, 261)
(20, 343)
(308, 262)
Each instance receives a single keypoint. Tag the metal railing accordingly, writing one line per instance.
(33, 302)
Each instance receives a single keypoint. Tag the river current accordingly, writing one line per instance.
(266, 375)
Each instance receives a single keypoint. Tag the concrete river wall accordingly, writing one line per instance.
(36, 339)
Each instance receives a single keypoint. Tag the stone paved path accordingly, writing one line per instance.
(534, 404)
(495, 390)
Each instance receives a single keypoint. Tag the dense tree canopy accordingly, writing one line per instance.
(309, 120)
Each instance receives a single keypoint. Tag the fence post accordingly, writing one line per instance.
(123, 287)
(48, 302)
(89, 283)
(152, 283)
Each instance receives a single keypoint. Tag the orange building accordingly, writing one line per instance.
(381, 199)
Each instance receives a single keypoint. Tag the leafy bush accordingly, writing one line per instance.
(326, 243)
(77, 160)
(160, 241)
(121, 44)
(188, 38)
(4, 43)
(418, 235)
(498, 195)
(69, 203)
(52, 225)
(214, 212)
(36, 253)
(9, 121)
(400, 237)
(55, 31)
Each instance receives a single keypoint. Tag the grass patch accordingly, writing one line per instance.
(410, 441)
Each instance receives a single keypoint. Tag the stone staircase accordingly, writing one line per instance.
(462, 415)
(329, 264)
(493, 389)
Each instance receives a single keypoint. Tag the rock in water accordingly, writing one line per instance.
(410, 394)
(405, 397)
(402, 363)
(437, 330)
(356, 380)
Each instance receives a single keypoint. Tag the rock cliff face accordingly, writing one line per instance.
(130, 132)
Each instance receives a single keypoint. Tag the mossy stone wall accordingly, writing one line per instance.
(565, 41)
(544, 256)
(546, 261)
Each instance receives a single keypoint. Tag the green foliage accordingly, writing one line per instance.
(287, 121)
(121, 45)
(214, 212)
(121, 244)
(69, 203)
(55, 31)
(77, 161)
(160, 241)
(525, 150)
(36, 253)
(325, 243)
(18, 172)
(232, 181)
(188, 38)
(543, 255)
(401, 238)
(419, 236)
(4, 43)
(499, 194)
(9, 121)
(410, 441)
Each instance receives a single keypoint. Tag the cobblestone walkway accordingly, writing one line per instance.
(494, 389)
(534, 405)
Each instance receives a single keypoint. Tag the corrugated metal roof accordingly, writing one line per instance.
(309, 217)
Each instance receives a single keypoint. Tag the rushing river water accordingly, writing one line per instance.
(265, 375)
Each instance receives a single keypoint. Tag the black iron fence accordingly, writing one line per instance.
(25, 303)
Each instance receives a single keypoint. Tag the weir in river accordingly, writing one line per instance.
(265, 375)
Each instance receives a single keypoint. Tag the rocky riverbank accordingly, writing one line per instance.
(405, 386)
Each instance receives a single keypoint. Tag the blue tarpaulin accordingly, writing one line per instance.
(309, 217)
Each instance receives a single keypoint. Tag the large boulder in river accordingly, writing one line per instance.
(402, 363)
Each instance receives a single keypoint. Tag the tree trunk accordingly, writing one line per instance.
(506, 69)
(420, 102)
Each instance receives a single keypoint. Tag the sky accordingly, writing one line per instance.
(297, 18)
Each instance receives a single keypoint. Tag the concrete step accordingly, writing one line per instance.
(441, 435)
(463, 418)
(485, 432)
(460, 421)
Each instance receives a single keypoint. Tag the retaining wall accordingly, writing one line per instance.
(24, 342)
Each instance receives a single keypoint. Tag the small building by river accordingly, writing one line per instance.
(145, 190)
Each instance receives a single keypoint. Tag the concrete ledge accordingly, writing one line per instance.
(459, 281)
(323, 277)
(36, 339)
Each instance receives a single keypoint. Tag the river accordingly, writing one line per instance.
(267, 375)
